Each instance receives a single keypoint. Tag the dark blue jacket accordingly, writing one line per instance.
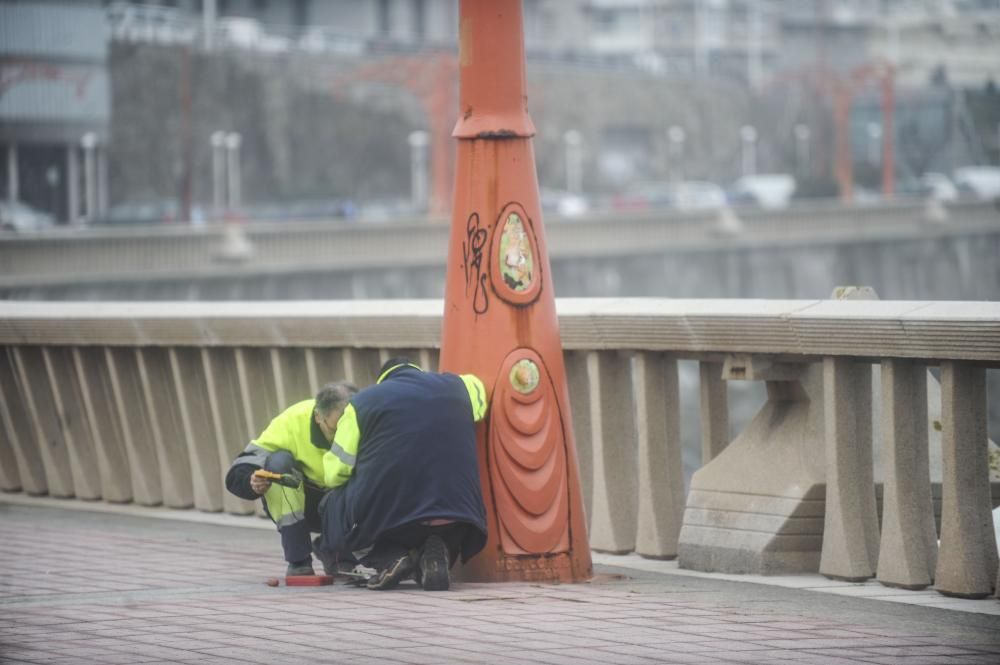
(415, 460)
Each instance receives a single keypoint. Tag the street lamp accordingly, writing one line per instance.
(874, 142)
(573, 142)
(218, 141)
(676, 136)
(749, 137)
(89, 144)
(802, 136)
(233, 142)
(418, 140)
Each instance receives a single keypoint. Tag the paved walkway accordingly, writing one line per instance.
(93, 587)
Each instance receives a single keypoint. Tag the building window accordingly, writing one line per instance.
(419, 20)
(300, 13)
(383, 17)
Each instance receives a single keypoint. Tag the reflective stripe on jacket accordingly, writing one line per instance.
(294, 430)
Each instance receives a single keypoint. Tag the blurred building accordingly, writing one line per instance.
(54, 105)
(749, 40)
(639, 80)
(958, 39)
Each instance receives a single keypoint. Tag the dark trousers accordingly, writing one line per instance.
(296, 540)
(411, 538)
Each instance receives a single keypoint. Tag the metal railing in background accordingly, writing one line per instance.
(149, 403)
(146, 251)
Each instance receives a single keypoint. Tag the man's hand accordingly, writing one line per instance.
(259, 485)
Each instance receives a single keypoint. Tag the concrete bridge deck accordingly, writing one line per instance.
(82, 586)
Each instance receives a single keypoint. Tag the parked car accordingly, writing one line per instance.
(687, 195)
(150, 212)
(698, 195)
(562, 203)
(982, 181)
(938, 186)
(21, 218)
(767, 190)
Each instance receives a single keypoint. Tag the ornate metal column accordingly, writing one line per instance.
(500, 319)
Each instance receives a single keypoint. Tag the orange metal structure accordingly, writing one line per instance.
(840, 89)
(431, 80)
(500, 318)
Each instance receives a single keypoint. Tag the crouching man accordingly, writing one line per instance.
(407, 499)
(292, 447)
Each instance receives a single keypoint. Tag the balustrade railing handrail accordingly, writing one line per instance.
(938, 330)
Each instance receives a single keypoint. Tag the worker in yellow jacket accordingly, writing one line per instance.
(293, 445)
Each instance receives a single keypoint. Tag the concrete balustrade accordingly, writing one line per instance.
(149, 402)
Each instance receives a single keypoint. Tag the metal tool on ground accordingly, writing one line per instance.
(356, 574)
(284, 479)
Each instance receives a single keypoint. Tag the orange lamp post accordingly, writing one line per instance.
(500, 318)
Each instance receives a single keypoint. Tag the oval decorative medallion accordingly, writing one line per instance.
(516, 258)
(514, 269)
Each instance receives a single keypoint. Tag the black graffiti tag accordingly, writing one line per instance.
(472, 263)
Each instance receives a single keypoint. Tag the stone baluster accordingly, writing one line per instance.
(127, 401)
(850, 528)
(361, 366)
(27, 471)
(67, 407)
(613, 523)
(229, 430)
(196, 428)
(908, 551)
(161, 404)
(258, 394)
(967, 560)
(713, 409)
(96, 399)
(37, 399)
(579, 399)
(661, 477)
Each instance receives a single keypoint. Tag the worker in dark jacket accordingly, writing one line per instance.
(407, 498)
(293, 445)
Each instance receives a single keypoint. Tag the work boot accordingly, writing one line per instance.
(328, 559)
(300, 568)
(434, 560)
(390, 576)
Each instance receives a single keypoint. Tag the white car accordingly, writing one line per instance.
(983, 181)
(22, 218)
(698, 195)
(939, 186)
(768, 190)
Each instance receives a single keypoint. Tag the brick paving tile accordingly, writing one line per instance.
(549, 657)
(918, 660)
(680, 657)
(755, 657)
(367, 656)
(199, 598)
(920, 650)
(983, 659)
(436, 654)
